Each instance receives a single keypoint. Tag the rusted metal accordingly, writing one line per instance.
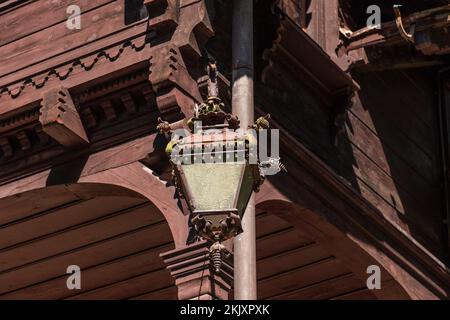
(394, 32)
(408, 36)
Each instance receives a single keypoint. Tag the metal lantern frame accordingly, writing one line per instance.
(216, 193)
(232, 182)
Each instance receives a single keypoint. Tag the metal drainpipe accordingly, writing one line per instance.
(443, 127)
(243, 107)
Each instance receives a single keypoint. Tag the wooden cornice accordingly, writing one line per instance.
(119, 86)
(386, 47)
(337, 197)
(127, 50)
(389, 34)
(74, 73)
(76, 62)
(303, 56)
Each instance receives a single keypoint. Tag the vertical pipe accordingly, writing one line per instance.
(242, 105)
(444, 144)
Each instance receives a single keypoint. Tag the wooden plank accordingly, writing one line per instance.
(390, 117)
(422, 81)
(298, 105)
(130, 287)
(285, 261)
(76, 237)
(86, 54)
(323, 290)
(96, 277)
(267, 223)
(406, 210)
(33, 202)
(88, 256)
(284, 240)
(361, 294)
(423, 232)
(390, 159)
(418, 216)
(418, 101)
(129, 61)
(59, 39)
(55, 220)
(393, 137)
(7, 6)
(170, 293)
(300, 277)
(60, 119)
(366, 170)
(35, 17)
(423, 211)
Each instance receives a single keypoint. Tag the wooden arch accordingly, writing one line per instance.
(133, 179)
(114, 224)
(350, 256)
(351, 246)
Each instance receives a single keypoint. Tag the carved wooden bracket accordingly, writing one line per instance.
(60, 119)
(164, 15)
(194, 273)
(170, 81)
(195, 31)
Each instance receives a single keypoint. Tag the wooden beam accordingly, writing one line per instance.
(95, 254)
(60, 119)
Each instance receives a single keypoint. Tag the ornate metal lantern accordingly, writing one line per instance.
(216, 169)
(213, 171)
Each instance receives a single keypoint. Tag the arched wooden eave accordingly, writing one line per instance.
(129, 200)
(351, 247)
(129, 179)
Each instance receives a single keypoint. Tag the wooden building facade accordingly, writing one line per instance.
(364, 120)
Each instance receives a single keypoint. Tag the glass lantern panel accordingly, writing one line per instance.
(213, 186)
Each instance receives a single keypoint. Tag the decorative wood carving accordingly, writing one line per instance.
(128, 103)
(109, 110)
(42, 136)
(294, 48)
(60, 119)
(195, 31)
(24, 139)
(171, 82)
(6, 147)
(194, 273)
(164, 15)
(89, 118)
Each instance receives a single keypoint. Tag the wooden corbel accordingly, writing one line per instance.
(174, 88)
(60, 119)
